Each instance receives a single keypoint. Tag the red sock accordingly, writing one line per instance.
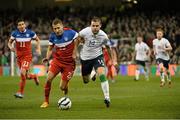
(110, 74)
(22, 84)
(47, 90)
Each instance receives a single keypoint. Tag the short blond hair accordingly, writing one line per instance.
(96, 19)
(57, 21)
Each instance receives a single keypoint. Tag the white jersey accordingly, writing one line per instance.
(159, 46)
(141, 51)
(93, 43)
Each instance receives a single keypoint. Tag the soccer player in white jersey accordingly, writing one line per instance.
(142, 53)
(161, 47)
(91, 55)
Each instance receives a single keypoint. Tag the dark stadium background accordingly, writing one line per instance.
(122, 19)
(142, 4)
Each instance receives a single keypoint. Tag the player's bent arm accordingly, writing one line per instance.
(80, 39)
(77, 41)
(149, 52)
(10, 45)
(48, 54)
(110, 52)
(38, 47)
(76, 44)
(168, 48)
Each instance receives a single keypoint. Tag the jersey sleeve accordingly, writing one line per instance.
(106, 40)
(33, 35)
(13, 35)
(82, 33)
(74, 34)
(147, 47)
(136, 47)
(51, 39)
(167, 43)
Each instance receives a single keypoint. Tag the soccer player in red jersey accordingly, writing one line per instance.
(62, 40)
(22, 38)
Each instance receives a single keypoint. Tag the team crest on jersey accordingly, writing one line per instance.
(27, 35)
(66, 38)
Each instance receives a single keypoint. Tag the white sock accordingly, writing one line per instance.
(168, 76)
(162, 76)
(93, 72)
(105, 89)
(137, 74)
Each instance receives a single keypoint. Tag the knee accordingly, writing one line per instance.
(101, 70)
(23, 72)
(161, 69)
(49, 80)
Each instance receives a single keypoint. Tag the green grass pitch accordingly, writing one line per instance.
(129, 99)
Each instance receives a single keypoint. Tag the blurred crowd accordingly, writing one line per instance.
(121, 26)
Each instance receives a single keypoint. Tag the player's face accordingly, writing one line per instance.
(159, 34)
(58, 29)
(21, 26)
(139, 39)
(95, 27)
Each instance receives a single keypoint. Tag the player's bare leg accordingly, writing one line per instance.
(111, 73)
(34, 77)
(20, 93)
(162, 75)
(168, 77)
(64, 86)
(137, 73)
(47, 89)
(146, 74)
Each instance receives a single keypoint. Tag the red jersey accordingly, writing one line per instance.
(64, 45)
(23, 42)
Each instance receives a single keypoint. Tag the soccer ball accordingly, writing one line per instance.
(64, 103)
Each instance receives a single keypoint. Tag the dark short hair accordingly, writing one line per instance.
(57, 21)
(19, 20)
(159, 28)
(96, 19)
